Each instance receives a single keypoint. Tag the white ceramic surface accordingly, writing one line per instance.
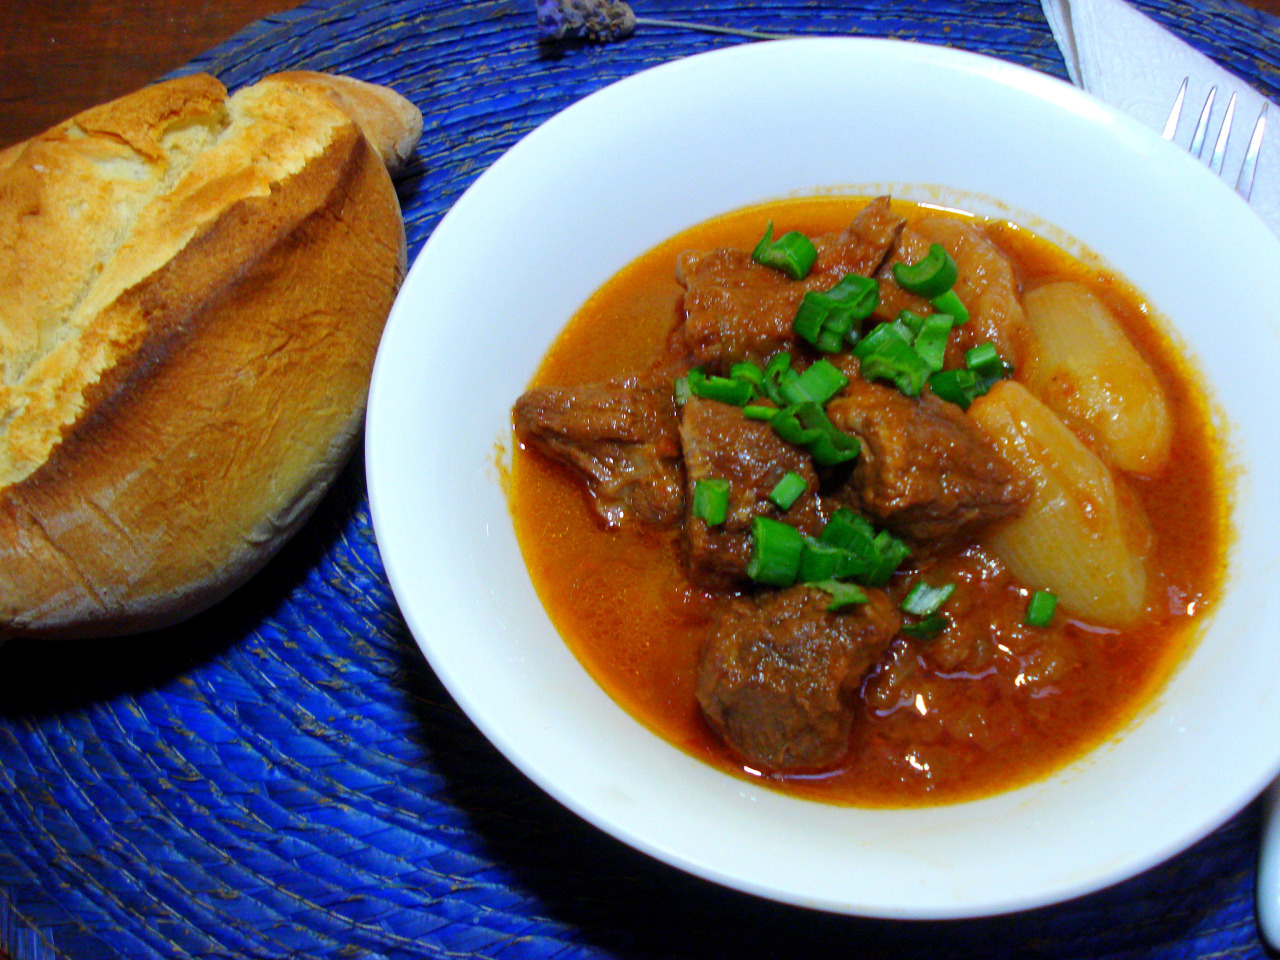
(632, 165)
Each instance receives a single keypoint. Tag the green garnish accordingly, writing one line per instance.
(759, 411)
(793, 253)
(848, 548)
(950, 304)
(1040, 609)
(886, 354)
(726, 390)
(931, 339)
(843, 595)
(923, 600)
(960, 387)
(931, 276)
(826, 319)
(985, 361)
(776, 549)
(927, 628)
(788, 490)
(711, 501)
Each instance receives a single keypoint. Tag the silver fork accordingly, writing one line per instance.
(1244, 182)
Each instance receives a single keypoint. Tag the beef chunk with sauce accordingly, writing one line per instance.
(925, 472)
(736, 309)
(720, 443)
(621, 435)
(779, 675)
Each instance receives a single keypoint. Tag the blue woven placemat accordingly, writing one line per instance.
(284, 777)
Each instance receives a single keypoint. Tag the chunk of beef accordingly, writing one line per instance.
(779, 675)
(988, 287)
(925, 472)
(736, 309)
(621, 435)
(720, 443)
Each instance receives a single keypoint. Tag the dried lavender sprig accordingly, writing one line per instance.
(606, 20)
(707, 28)
(598, 20)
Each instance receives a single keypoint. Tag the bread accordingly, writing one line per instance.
(192, 290)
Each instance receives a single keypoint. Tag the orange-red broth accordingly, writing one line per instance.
(989, 705)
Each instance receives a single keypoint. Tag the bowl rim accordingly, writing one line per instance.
(384, 419)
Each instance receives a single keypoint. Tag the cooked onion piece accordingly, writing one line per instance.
(1086, 369)
(1084, 536)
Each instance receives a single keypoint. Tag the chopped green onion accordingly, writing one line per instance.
(960, 387)
(927, 628)
(793, 253)
(821, 561)
(892, 553)
(830, 446)
(758, 411)
(848, 529)
(711, 501)
(843, 595)
(931, 339)
(1040, 609)
(923, 600)
(983, 367)
(787, 425)
(785, 387)
(778, 366)
(749, 372)
(905, 332)
(822, 381)
(776, 549)
(850, 548)
(984, 360)
(824, 561)
(680, 390)
(886, 355)
(812, 316)
(932, 275)
(787, 490)
(988, 365)
(912, 321)
(831, 340)
(856, 538)
(825, 319)
(883, 333)
(736, 392)
(950, 304)
(834, 447)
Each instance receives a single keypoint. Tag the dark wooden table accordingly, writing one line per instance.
(57, 58)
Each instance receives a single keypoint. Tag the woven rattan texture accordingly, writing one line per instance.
(285, 778)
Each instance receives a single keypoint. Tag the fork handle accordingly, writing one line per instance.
(1268, 886)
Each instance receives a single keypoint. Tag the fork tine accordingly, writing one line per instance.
(1202, 125)
(1171, 125)
(1244, 185)
(1244, 182)
(1220, 145)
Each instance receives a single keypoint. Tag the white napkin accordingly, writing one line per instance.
(1133, 63)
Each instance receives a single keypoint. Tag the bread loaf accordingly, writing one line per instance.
(192, 289)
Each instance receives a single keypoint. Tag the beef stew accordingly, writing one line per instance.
(844, 687)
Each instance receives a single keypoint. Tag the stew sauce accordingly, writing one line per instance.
(991, 703)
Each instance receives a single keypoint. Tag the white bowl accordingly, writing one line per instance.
(634, 164)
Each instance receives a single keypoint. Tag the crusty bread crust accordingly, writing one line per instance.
(392, 125)
(196, 287)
